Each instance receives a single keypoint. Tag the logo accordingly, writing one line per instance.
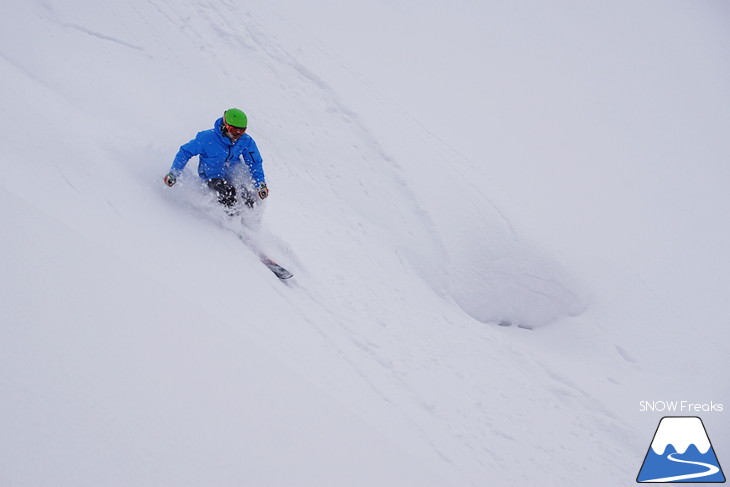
(681, 452)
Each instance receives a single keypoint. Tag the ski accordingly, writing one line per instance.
(279, 271)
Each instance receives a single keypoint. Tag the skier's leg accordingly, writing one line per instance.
(248, 197)
(241, 178)
(226, 191)
(226, 194)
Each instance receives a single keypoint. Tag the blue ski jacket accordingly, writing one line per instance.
(219, 156)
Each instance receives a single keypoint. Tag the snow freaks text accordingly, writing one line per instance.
(680, 407)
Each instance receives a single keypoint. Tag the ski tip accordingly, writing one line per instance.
(278, 270)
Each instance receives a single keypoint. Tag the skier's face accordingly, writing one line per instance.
(234, 133)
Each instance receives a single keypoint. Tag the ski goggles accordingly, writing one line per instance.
(235, 130)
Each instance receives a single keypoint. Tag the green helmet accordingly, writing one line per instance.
(236, 118)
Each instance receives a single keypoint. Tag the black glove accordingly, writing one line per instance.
(263, 191)
(170, 179)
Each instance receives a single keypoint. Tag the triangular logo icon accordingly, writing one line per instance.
(681, 452)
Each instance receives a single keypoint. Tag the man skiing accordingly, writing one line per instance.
(221, 151)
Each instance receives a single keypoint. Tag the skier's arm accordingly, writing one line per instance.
(186, 152)
(254, 161)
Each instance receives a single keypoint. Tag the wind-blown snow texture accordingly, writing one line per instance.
(436, 168)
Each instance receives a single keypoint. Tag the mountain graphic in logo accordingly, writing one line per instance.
(681, 452)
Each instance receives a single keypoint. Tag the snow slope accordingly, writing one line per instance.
(435, 170)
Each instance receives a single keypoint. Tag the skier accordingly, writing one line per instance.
(221, 151)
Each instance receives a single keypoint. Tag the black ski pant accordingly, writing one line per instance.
(227, 193)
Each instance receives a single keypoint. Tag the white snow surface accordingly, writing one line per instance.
(436, 169)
